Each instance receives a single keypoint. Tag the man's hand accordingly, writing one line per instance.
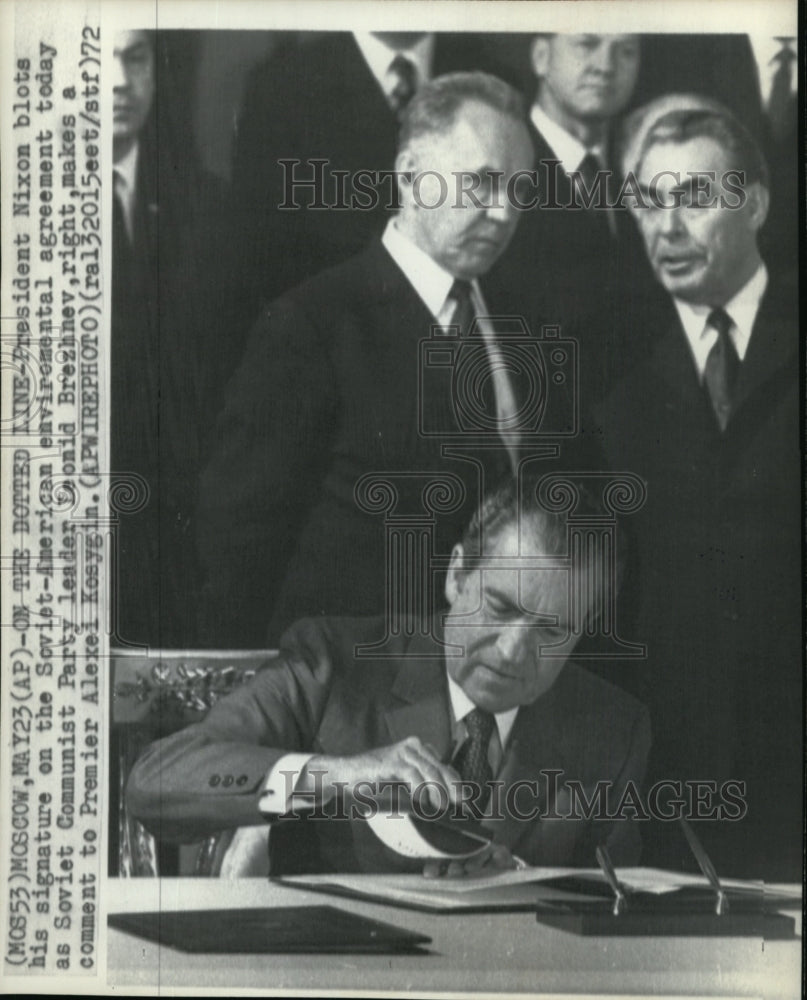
(410, 762)
(495, 857)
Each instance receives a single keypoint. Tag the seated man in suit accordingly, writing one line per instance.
(329, 389)
(572, 259)
(525, 723)
(711, 421)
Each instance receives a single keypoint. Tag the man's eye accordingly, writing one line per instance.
(135, 58)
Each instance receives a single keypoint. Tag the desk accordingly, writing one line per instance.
(507, 952)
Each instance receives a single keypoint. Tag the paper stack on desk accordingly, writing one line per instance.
(521, 889)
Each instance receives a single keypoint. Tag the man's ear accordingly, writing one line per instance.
(405, 163)
(454, 575)
(758, 200)
(539, 55)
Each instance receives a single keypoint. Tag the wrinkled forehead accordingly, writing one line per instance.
(665, 157)
(517, 559)
(475, 124)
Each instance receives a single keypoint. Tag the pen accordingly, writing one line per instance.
(607, 868)
(706, 866)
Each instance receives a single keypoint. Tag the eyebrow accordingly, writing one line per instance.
(503, 599)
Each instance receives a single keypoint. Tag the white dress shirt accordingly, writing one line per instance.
(125, 184)
(742, 310)
(379, 57)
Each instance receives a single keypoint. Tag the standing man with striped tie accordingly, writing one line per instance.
(328, 392)
(711, 421)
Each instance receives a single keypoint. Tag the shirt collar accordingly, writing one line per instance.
(461, 705)
(126, 169)
(378, 56)
(566, 147)
(430, 281)
(742, 309)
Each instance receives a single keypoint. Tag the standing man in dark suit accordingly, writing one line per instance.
(711, 421)
(500, 703)
(337, 99)
(329, 389)
(569, 264)
(167, 360)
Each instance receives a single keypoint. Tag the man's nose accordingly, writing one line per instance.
(671, 222)
(501, 211)
(510, 643)
(604, 59)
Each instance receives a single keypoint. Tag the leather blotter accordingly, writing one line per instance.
(263, 931)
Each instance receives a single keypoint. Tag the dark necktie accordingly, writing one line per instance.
(464, 313)
(782, 102)
(472, 760)
(405, 83)
(722, 366)
(589, 168)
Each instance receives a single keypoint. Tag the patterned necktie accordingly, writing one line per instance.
(405, 83)
(722, 366)
(472, 759)
(782, 102)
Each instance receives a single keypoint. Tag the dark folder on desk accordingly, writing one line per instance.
(687, 912)
(313, 929)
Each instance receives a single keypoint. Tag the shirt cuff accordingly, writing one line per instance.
(278, 794)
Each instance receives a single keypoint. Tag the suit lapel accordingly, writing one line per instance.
(418, 703)
(773, 345)
(369, 102)
(538, 743)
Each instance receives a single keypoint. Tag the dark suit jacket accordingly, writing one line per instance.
(327, 392)
(567, 267)
(316, 99)
(171, 297)
(318, 697)
(717, 595)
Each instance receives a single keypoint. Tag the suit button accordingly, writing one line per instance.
(228, 780)
(214, 780)
(242, 779)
